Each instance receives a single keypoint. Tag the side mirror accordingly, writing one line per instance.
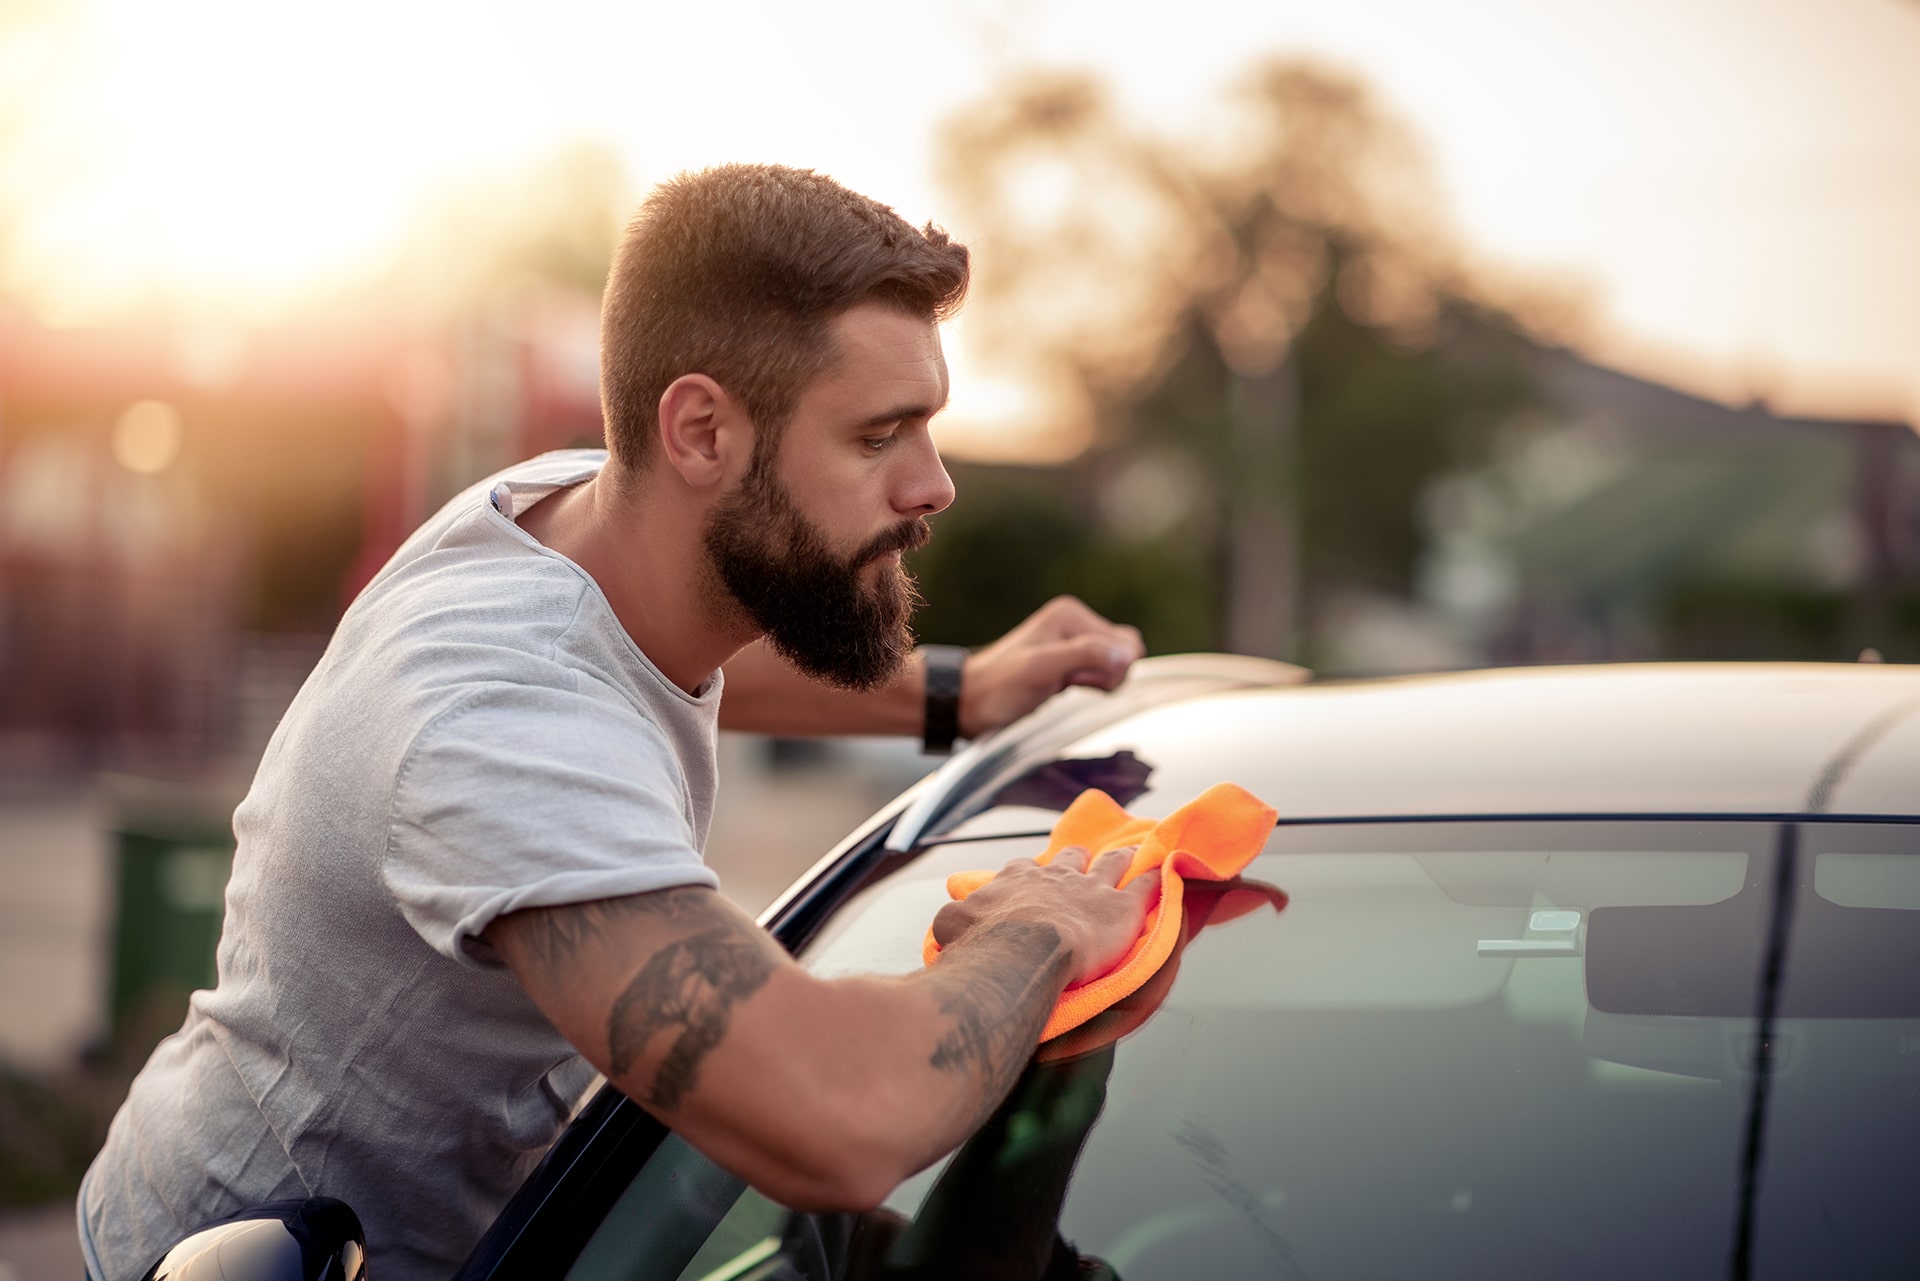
(318, 1239)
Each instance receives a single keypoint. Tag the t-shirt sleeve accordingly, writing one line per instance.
(526, 796)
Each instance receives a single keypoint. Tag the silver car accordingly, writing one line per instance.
(1559, 972)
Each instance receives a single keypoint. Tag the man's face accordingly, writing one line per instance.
(808, 545)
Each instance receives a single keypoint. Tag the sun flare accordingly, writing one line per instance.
(242, 155)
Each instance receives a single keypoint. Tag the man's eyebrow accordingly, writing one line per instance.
(914, 409)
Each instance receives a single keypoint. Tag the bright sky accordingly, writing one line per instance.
(1732, 185)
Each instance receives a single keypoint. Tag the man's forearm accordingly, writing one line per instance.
(889, 1074)
(825, 1093)
(996, 987)
(822, 1092)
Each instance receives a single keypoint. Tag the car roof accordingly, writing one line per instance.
(1644, 739)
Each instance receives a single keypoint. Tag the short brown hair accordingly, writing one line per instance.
(735, 272)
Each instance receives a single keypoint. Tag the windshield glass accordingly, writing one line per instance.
(1442, 1049)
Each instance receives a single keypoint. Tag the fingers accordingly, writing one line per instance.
(1069, 618)
(1112, 865)
(1076, 892)
(950, 922)
(1065, 616)
(1100, 659)
(1060, 644)
(1108, 867)
(1073, 856)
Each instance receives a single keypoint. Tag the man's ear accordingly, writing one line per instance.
(705, 434)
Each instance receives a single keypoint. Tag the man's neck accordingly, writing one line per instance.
(643, 547)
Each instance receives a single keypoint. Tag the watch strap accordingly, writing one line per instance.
(942, 665)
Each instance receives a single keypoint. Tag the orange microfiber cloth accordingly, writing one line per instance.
(1210, 838)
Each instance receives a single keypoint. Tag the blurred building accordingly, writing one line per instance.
(185, 508)
(1631, 520)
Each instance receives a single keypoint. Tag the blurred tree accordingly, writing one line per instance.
(1265, 329)
(1015, 540)
(555, 221)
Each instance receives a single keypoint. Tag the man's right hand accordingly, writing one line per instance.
(1097, 921)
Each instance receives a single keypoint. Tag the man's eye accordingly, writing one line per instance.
(875, 444)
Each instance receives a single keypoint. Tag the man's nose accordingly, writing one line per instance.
(925, 488)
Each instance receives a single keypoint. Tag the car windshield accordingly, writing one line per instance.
(1584, 1049)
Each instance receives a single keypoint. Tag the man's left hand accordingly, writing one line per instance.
(1060, 644)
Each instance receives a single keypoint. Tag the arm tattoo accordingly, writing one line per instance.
(688, 990)
(999, 993)
(556, 936)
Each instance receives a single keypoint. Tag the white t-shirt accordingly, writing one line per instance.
(481, 736)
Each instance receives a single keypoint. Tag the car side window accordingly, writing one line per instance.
(664, 1219)
(685, 1219)
(745, 1245)
(992, 1209)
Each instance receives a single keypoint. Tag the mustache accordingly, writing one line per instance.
(907, 536)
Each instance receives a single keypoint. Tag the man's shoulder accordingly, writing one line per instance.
(483, 511)
(470, 617)
(546, 472)
(474, 603)
(483, 604)
(470, 565)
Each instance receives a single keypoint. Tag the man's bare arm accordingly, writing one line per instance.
(683, 996)
(998, 1007)
(822, 1093)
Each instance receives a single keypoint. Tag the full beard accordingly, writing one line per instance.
(812, 606)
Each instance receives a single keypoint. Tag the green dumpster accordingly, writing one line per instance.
(169, 896)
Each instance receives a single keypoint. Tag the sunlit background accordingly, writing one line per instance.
(1378, 336)
(1729, 188)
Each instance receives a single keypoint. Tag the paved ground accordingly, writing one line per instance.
(53, 920)
(772, 825)
(53, 858)
(56, 886)
(39, 1245)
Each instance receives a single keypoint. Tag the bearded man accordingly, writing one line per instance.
(468, 873)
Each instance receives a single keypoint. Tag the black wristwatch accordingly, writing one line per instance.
(942, 664)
